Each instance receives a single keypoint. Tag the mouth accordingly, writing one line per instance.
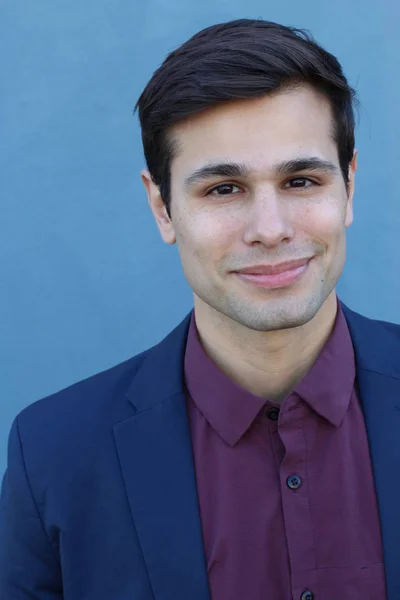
(274, 277)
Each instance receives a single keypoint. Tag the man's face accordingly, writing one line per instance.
(272, 211)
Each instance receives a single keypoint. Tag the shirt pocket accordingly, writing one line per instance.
(353, 583)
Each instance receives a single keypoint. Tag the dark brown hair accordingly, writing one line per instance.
(241, 59)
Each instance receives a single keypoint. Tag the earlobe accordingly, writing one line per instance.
(349, 205)
(158, 208)
(354, 161)
(164, 223)
(349, 213)
(351, 187)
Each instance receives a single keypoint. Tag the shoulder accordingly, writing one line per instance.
(67, 432)
(77, 420)
(376, 343)
(360, 321)
(98, 402)
(84, 399)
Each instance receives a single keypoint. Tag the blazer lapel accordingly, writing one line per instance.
(155, 452)
(377, 351)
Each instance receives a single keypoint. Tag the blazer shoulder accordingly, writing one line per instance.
(88, 400)
(92, 405)
(73, 426)
(369, 322)
(376, 342)
(391, 327)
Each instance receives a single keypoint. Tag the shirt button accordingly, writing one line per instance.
(307, 595)
(273, 414)
(294, 482)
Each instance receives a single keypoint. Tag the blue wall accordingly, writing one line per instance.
(85, 279)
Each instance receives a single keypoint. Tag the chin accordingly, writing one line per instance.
(277, 314)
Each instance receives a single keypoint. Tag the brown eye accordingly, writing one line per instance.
(225, 189)
(300, 182)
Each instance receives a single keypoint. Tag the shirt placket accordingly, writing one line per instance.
(296, 501)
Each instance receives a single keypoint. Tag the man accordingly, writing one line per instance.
(254, 452)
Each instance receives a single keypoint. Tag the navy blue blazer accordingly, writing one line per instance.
(99, 498)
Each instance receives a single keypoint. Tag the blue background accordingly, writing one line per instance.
(86, 281)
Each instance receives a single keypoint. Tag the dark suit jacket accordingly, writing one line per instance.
(99, 499)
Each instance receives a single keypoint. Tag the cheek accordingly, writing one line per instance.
(203, 242)
(209, 235)
(323, 222)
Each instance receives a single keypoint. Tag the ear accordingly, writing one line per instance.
(158, 208)
(351, 187)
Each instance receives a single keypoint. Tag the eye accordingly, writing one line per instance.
(300, 183)
(224, 189)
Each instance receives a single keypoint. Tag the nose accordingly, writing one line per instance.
(268, 221)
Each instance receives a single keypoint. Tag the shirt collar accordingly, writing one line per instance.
(329, 384)
(231, 410)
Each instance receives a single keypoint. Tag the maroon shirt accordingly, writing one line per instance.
(286, 493)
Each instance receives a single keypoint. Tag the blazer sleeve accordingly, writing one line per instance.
(29, 568)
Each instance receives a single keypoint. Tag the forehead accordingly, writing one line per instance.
(258, 132)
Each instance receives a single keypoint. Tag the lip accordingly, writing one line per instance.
(275, 269)
(275, 276)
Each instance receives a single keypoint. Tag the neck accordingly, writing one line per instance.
(267, 364)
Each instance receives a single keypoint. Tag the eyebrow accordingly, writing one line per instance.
(231, 169)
